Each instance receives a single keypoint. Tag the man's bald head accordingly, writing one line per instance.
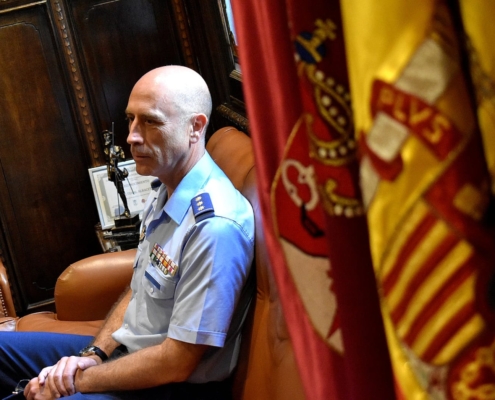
(181, 87)
(168, 112)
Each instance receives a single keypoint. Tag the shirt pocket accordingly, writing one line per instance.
(157, 285)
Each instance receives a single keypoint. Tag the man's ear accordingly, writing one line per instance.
(200, 121)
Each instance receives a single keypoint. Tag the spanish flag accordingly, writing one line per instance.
(421, 73)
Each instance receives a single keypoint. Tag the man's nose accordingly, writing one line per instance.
(134, 135)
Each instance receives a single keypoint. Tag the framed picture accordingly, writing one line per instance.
(109, 204)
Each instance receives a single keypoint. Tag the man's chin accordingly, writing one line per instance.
(143, 170)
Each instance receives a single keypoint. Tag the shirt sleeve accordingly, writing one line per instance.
(215, 262)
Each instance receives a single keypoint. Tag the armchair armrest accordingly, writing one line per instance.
(87, 289)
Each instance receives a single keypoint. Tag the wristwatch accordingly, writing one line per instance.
(93, 350)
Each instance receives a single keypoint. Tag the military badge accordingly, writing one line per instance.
(162, 261)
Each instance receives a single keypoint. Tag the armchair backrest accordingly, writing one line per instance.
(266, 369)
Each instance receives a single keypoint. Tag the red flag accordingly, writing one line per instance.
(296, 88)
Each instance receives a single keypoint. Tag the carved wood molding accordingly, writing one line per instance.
(184, 34)
(77, 85)
(237, 119)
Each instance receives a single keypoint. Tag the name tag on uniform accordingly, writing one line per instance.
(152, 280)
(162, 261)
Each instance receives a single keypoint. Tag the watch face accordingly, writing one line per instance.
(88, 351)
(93, 350)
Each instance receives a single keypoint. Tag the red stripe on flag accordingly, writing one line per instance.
(415, 238)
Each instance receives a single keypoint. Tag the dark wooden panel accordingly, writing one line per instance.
(118, 42)
(47, 209)
(211, 42)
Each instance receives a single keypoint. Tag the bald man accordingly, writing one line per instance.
(175, 333)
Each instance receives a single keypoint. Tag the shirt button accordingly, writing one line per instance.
(126, 326)
(151, 290)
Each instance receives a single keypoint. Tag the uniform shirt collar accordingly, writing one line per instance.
(180, 201)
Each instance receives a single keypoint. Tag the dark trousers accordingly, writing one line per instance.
(24, 354)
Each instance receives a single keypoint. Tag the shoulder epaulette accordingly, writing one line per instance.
(155, 184)
(202, 207)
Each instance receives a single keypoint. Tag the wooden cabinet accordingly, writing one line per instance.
(66, 71)
(44, 196)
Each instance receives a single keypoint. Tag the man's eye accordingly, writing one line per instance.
(150, 121)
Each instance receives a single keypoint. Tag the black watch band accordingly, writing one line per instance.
(93, 350)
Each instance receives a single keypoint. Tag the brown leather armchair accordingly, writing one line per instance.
(87, 289)
(7, 310)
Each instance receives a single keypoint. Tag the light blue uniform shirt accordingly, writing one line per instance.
(212, 260)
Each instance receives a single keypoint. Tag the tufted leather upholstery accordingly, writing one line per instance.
(6, 304)
(86, 290)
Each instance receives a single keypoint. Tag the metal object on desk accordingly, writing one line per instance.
(126, 230)
(116, 175)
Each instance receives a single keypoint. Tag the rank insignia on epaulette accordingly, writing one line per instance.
(162, 261)
(202, 207)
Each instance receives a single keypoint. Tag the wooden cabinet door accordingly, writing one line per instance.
(46, 207)
(117, 42)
